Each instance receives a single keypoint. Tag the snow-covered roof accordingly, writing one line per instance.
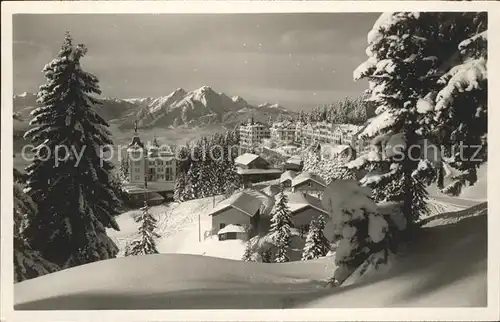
(283, 124)
(334, 149)
(298, 201)
(267, 202)
(136, 142)
(295, 160)
(307, 176)
(288, 175)
(246, 158)
(248, 202)
(258, 171)
(231, 229)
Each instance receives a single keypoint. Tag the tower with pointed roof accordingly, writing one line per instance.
(137, 159)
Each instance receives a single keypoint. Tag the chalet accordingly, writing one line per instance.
(287, 177)
(242, 208)
(251, 161)
(308, 183)
(253, 168)
(304, 208)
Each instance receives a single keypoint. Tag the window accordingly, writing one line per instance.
(137, 170)
(309, 184)
(137, 177)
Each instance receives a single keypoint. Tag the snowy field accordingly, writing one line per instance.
(444, 266)
(179, 227)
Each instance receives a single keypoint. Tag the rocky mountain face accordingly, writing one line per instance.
(200, 107)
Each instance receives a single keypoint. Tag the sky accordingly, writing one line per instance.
(297, 60)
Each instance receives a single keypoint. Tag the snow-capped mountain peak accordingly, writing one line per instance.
(202, 106)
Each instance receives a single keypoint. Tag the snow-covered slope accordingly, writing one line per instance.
(180, 226)
(444, 266)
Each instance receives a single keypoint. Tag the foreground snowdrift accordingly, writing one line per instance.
(178, 281)
(444, 266)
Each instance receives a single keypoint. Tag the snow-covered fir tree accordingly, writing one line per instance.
(145, 243)
(75, 198)
(281, 222)
(232, 178)
(329, 169)
(400, 69)
(124, 165)
(357, 223)
(180, 187)
(28, 263)
(248, 254)
(205, 164)
(456, 111)
(266, 256)
(194, 185)
(316, 245)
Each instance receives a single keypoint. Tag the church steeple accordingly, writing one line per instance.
(155, 141)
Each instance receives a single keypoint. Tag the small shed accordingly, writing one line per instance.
(232, 232)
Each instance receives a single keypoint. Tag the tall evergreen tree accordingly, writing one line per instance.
(398, 70)
(427, 83)
(316, 243)
(193, 178)
(145, 244)
(76, 201)
(232, 178)
(281, 223)
(180, 187)
(124, 169)
(456, 112)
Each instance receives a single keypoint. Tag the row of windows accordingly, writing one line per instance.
(167, 177)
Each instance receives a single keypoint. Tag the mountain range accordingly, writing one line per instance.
(197, 108)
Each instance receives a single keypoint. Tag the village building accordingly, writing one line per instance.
(243, 209)
(151, 171)
(328, 133)
(287, 177)
(283, 132)
(251, 161)
(308, 183)
(253, 168)
(252, 134)
(304, 208)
